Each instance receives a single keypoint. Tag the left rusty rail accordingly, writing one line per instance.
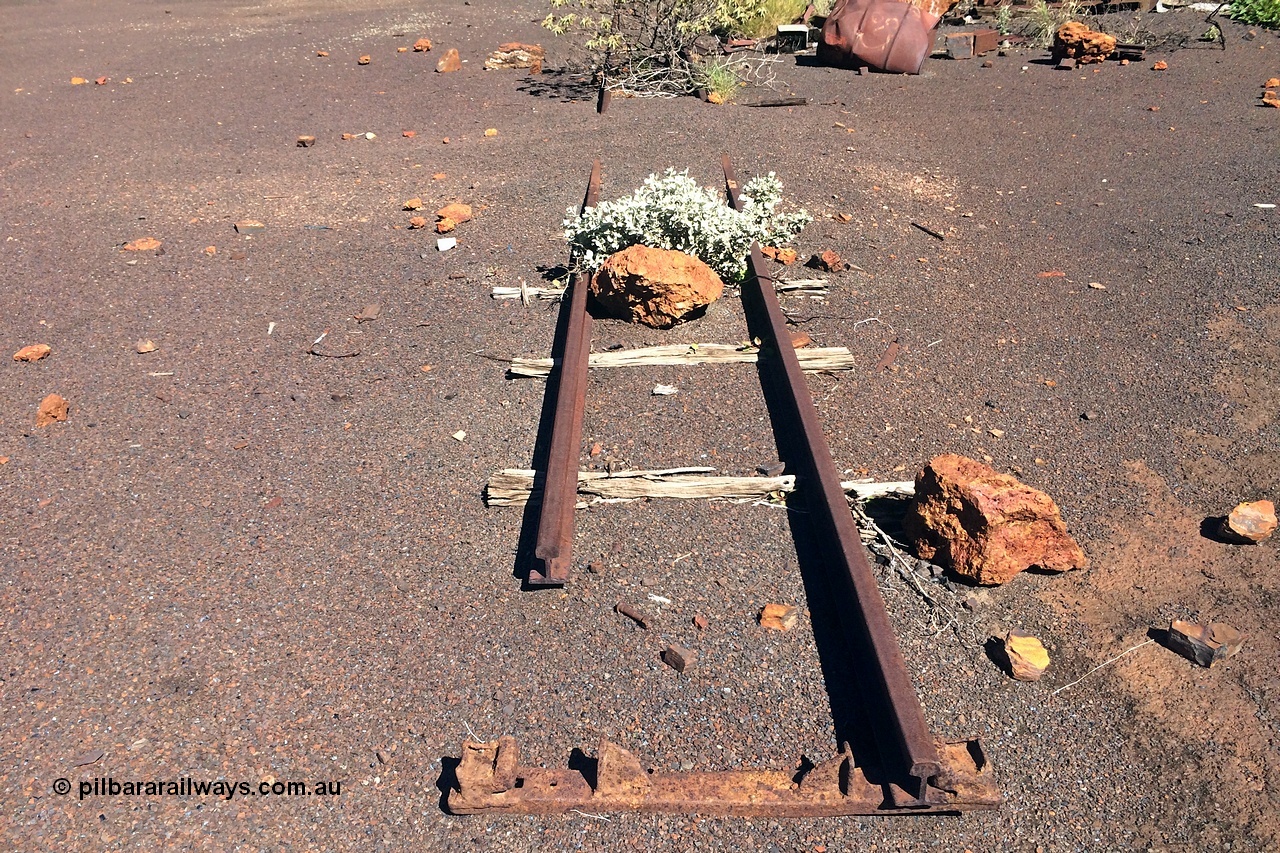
(554, 546)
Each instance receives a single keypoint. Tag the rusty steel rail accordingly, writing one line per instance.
(863, 616)
(490, 779)
(554, 546)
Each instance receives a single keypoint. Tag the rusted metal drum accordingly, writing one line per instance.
(888, 35)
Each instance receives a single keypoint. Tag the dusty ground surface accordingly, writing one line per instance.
(239, 561)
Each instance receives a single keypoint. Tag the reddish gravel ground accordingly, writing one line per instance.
(238, 561)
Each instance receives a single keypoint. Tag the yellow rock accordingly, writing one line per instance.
(1028, 658)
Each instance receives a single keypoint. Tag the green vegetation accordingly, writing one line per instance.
(1261, 13)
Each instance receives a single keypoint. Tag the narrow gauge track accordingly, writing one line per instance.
(911, 771)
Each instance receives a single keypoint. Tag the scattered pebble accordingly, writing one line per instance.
(33, 352)
(52, 408)
(779, 617)
(1204, 644)
(1027, 656)
(1251, 522)
(679, 658)
(144, 345)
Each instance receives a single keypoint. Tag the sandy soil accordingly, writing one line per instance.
(239, 561)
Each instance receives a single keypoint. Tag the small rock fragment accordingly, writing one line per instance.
(459, 213)
(1075, 40)
(1204, 644)
(445, 225)
(414, 203)
(715, 98)
(799, 340)
(422, 45)
(364, 60)
(664, 390)
(322, 53)
(91, 757)
(78, 81)
(779, 617)
(1027, 656)
(700, 622)
(142, 244)
(101, 81)
(370, 135)
(250, 226)
(828, 261)
(1248, 523)
(211, 250)
(408, 134)
(306, 141)
(52, 408)
(460, 434)
(1271, 99)
(783, 256)
(449, 62)
(491, 131)
(144, 345)
(418, 222)
(349, 135)
(34, 352)
(679, 658)
(402, 50)
(985, 525)
(1272, 83)
(1160, 66)
(656, 287)
(517, 55)
(370, 312)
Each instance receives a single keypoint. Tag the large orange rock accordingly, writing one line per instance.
(1082, 44)
(657, 287)
(986, 525)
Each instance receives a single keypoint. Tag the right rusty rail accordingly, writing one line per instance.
(863, 616)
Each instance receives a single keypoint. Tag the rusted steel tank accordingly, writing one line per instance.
(888, 35)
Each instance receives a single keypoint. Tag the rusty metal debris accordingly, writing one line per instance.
(491, 780)
(887, 35)
(554, 548)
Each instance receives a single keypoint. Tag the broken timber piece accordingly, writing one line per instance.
(1204, 644)
(517, 486)
(490, 780)
(811, 360)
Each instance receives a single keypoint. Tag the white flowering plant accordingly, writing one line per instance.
(672, 211)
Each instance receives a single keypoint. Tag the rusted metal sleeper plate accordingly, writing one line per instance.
(491, 780)
(895, 710)
(554, 546)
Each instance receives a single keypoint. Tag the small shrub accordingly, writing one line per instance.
(719, 77)
(1045, 21)
(672, 212)
(1261, 13)
(758, 18)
